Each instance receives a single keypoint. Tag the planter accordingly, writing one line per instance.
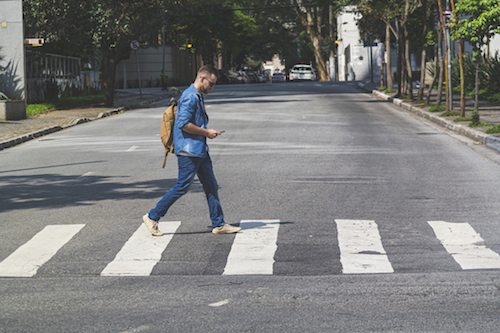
(12, 110)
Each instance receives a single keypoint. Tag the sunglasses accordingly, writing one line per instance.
(211, 83)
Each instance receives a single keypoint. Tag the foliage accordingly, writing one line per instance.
(450, 114)
(481, 19)
(34, 109)
(437, 108)
(493, 130)
(475, 118)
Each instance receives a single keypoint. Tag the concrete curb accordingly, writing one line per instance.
(488, 140)
(48, 130)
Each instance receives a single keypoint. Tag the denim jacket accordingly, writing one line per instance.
(190, 109)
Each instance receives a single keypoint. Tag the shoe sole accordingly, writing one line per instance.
(214, 231)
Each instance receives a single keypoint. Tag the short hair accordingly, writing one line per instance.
(207, 69)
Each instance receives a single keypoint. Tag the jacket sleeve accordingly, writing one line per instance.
(186, 112)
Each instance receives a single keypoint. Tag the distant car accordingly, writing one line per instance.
(302, 72)
(278, 77)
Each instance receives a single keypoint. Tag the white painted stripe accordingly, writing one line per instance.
(220, 303)
(465, 245)
(141, 252)
(253, 248)
(26, 260)
(361, 249)
(132, 148)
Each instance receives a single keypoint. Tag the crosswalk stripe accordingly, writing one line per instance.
(253, 248)
(465, 245)
(26, 260)
(361, 249)
(141, 252)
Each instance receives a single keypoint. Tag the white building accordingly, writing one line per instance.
(356, 60)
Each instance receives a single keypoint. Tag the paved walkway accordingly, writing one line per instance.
(14, 132)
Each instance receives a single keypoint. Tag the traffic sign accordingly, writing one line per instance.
(134, 45)
(34, 41)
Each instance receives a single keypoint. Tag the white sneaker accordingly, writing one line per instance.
(152, 226)
(225, 229)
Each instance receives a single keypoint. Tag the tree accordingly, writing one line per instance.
(78, 28)
(312, 17)
(481, 23)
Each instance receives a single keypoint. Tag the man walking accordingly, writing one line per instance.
(190, 144)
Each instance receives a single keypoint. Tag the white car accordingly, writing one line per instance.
(302, 72)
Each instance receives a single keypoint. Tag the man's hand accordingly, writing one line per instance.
(196, 130)
(212, 134)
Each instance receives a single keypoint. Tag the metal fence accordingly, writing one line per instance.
(49, 75)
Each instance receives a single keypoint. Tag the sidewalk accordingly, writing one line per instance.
(14, 132)
(489, 113)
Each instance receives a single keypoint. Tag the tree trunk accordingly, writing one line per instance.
(420, 94)
(476, 97)
(401, 62)
(407, 54)
(441, 65)
(108, 67)
(434, 79)
(312, 22)
(408, 66)
(390, 84)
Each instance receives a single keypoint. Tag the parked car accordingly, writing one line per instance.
(278, 77)
(252, 78)
(302, 72)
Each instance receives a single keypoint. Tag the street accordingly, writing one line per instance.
(356, 217)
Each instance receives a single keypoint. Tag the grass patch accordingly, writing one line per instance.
(34, 109)
(450, 114)
(462, 119)
(66, 102)
(437, 108)
(493, 130)
(481, 124)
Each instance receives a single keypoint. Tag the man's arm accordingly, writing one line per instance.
(196, 130)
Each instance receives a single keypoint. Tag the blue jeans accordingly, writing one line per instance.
(188, 168)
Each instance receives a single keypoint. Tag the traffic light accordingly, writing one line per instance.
(189, 45)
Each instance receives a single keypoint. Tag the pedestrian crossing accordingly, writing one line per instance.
(253, 249)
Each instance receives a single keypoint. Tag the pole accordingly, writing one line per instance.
(371, 58)
(138, 73)
(448, 42)
(461, 56)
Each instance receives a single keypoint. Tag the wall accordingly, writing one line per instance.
(12, 83)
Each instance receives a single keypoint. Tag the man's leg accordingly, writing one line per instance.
(188, 167)
(207, 178)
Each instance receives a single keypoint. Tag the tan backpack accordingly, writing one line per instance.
(167, 128)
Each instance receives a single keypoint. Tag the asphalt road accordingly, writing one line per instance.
(357, 217)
